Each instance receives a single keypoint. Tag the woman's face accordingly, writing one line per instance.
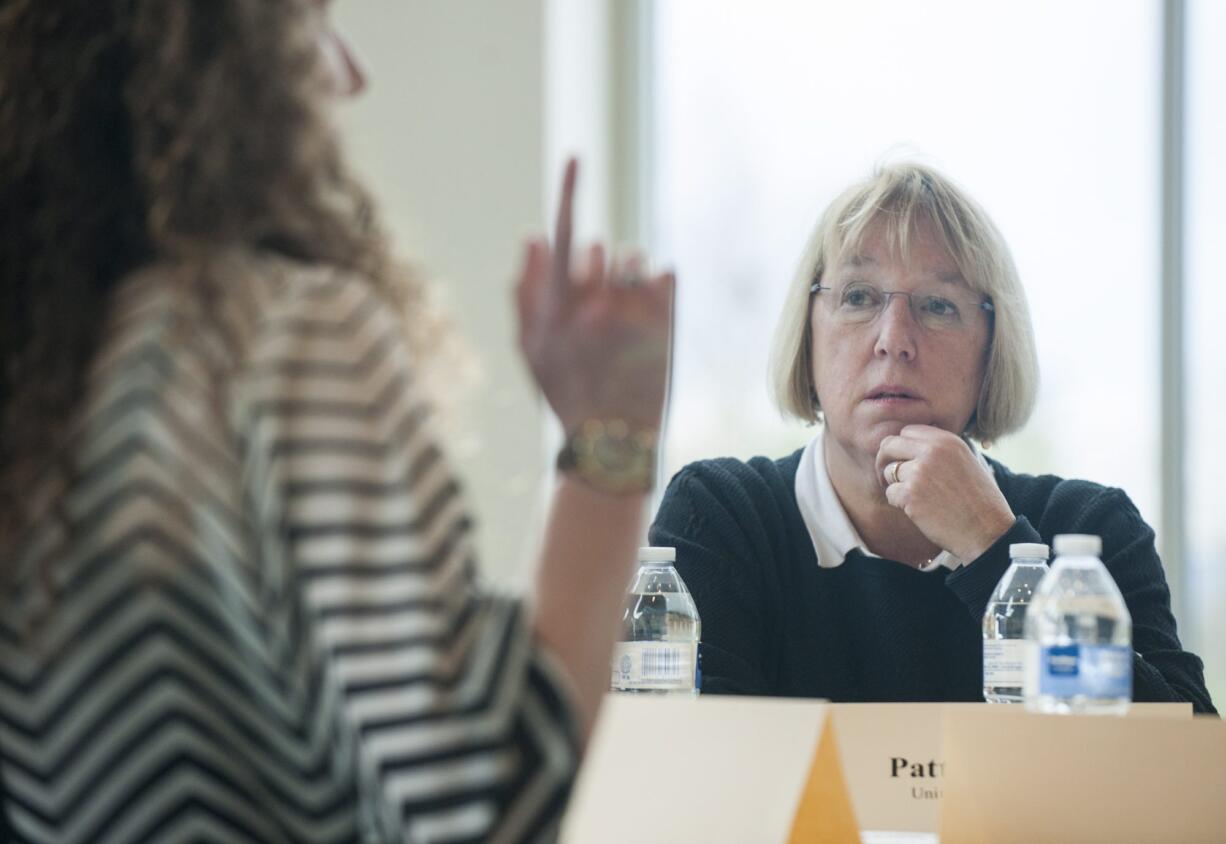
(345, 77)
(875, 375)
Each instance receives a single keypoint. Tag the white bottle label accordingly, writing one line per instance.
(1004, 662)
(654, 666)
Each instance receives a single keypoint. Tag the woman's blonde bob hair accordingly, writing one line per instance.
(901, 197)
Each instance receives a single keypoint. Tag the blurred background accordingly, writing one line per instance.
(713, 132)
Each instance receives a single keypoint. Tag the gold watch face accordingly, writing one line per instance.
(611, 457)
(616, 457)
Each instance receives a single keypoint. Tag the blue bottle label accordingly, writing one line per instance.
(1099, 671)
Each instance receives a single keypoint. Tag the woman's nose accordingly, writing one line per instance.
(896, 329)
(356, 73)
(348, 77)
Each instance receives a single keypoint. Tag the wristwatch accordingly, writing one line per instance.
(611, 456)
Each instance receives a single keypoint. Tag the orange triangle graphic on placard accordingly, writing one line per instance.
(824, 814)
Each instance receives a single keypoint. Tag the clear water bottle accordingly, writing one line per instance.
(658, 651)
(1004, 623)
(1079, 656)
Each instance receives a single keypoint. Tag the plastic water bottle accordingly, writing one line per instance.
(1004, 623)
(658, 651)
(1079, 656)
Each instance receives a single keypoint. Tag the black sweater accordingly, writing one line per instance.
(774, 623)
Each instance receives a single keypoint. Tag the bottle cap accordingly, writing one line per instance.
(1028, 550)
(1078, 545)
(657, 554)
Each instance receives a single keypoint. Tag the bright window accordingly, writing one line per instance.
(1050, 114)
(766, 111)
(1205, 341)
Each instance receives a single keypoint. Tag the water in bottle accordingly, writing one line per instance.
(1004, 623)
(1079, 656)
(658, 651)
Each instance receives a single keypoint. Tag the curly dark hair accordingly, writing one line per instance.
(141, 130)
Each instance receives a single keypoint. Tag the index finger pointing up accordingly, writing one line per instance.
(562, 234)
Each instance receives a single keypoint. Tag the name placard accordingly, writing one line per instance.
(763, 770)
(1018, 777)
(894, 759)
(716, 770)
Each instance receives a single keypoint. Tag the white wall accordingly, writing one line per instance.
(450, 138)
(472, 107)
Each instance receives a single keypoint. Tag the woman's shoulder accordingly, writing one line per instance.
(239, 306)
(246, 289)
(730, 485)
(735, 473)
(243, 325)
(1061, 503)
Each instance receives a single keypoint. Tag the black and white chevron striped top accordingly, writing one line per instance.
(262, 624)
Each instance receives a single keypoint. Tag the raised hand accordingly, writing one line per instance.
(597, 338)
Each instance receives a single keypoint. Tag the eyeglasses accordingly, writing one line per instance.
(861, 302)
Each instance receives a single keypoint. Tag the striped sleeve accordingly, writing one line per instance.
(147, 690)
(460, 727)
(249, 613)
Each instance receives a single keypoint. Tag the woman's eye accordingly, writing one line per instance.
(937, 306)
(859, 297)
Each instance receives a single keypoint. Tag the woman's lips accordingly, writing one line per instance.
(891, 396)
(892, 400)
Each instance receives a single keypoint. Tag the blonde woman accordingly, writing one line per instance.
(237, 586)
(859, 568)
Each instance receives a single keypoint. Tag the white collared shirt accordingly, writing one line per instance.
(830, 529)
